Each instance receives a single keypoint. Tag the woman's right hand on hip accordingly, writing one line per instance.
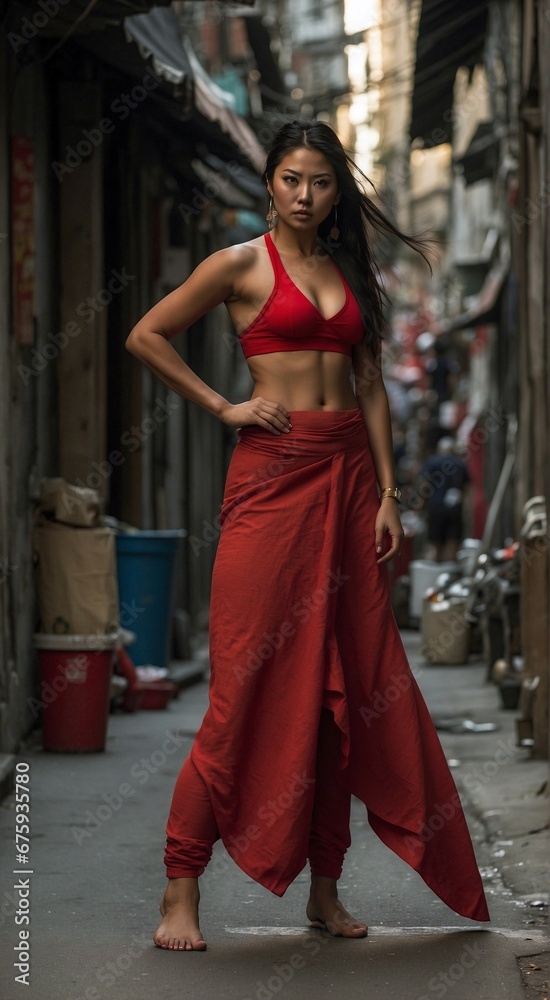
(258, 410)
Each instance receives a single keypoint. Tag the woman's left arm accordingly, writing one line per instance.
(373, 400)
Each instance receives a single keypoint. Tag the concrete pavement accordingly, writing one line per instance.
(97, 877)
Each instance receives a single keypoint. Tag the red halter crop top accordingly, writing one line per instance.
(289, 321)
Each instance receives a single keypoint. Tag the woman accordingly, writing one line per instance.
(311, 695)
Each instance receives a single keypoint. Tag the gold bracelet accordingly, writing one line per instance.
(390, 491)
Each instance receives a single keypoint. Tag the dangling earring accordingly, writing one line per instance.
(335, 232)
(272, 215)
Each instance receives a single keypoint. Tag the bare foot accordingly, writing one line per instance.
(179, 928)
(325, 910)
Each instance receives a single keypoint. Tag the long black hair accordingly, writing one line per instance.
(358, 220)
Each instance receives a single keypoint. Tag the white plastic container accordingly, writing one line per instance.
(423, 573)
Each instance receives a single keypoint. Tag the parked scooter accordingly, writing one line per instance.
(493, 605)
(479, 611)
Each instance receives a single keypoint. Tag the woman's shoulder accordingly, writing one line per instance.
(235, 261)
(241, 255)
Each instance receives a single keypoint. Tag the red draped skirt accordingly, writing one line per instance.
(301, 619)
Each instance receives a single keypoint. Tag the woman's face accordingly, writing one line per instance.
(304, 188)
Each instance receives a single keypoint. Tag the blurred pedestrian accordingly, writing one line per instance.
(445, 480)
(442, 372)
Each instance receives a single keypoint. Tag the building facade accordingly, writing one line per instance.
(463, 155)
(122, 165)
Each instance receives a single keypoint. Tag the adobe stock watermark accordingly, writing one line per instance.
(444, 812)
(87, 310)
(109, 975)
(31, 26)
(459, 111)
(267, 815)
(439, 985)
(283, 972)
(533, 548)
(113, 801)
(372, 368)
(272, 810)
(211, 530)
(456, 625)
(131, 440)
(75, 668)
(480, 774)
(433, 481)
(121, 107)
(532, 209)
(300, 612)
(232, 339)
(7, 569)
(381, 701)
(213, 188)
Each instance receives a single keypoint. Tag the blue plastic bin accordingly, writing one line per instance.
(145, 570)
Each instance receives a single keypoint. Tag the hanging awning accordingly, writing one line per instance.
(484, 306)
(152, 43)
(449, 36)
(214, 104)
(119, 52)
(481, 158)
(157, 35)
(247, 181)
(154, 29)
(80, 16)
(220, 187)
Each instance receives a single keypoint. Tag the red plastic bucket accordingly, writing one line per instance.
(75, 681)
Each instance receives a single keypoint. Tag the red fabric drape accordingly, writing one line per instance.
(301, 619)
